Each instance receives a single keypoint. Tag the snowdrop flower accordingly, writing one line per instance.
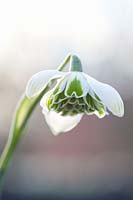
(74, 95)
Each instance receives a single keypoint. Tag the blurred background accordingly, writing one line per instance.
(93, 161)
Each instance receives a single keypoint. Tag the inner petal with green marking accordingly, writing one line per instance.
(72, 104)
(75, 88)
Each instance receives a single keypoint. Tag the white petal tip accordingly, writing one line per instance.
(121, 114)
(118, 108)
(55, 133)
(60, 124)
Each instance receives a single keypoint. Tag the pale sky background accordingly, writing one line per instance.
(44, 31)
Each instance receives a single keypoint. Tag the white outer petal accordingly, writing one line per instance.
(58, 123)
(109, 96)
(62, 83)
(38, 81)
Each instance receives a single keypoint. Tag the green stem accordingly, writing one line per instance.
(23, 112)
(64, 63)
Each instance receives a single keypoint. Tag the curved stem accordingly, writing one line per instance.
(64, 63)
(23, 112)
(20, 119)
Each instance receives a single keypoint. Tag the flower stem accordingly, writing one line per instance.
(64, 63)
(23, 112)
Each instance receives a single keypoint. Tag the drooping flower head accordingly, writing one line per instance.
(74, 95)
